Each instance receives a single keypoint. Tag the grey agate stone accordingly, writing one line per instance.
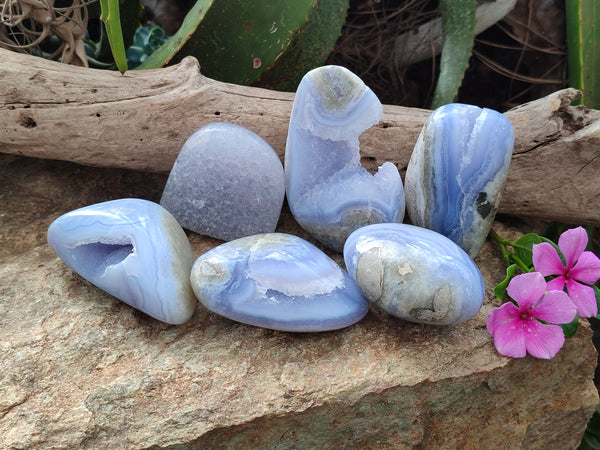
(457, 171)
(277, 281)
(414, 273)
(227, 183)
(329, 193)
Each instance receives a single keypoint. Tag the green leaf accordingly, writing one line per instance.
(583, 49)
(593, 425)
(500, 289)
(238, 39)
(597, 293)
(309, 47)
(589, 439)
(555, 229)
(111, 18)
(523, 247)
(458, 26)
(146, 41)
(169, 49)
(569, 329)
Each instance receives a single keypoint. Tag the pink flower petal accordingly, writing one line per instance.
(546, 260)
(557, 284)
(572, 243)
(587, 269)
(526, 289)
(542, 340)
(584, 299)
(555, 307)
(500, 315)
(509, 339)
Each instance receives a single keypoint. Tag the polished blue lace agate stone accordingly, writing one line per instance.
(457, 171)
(329, 193)
(134, 250)
(227, 183)
(277, 281)
(414, 273)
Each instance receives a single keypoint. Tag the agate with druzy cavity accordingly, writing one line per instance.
(134, 250)
(277, 281)
(329, 193)
(414, 273)
(457, 171)
(227, 183)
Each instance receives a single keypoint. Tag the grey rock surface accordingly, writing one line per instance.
(80, 369)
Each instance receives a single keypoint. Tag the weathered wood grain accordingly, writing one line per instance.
(141, 119)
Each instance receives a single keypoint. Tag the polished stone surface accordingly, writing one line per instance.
(227, 183)
(457, 171)
(330, 194)
(134, 250)
(277, 281)
(414, 273)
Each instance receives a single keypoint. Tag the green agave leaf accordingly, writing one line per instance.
(500, 289)
(238, 39)
(458, 25)
(583, 49)
(111, 18)
(309, 47)
(120, 19)
(170, 48)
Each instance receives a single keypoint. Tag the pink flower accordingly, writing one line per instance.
(517, 330)
(581, 269)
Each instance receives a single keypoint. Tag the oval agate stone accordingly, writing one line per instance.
(134, 250)
(329, 193)
(457, 171)
(414, 273)
(277, 281)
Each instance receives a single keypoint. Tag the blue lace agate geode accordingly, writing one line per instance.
(227, 182)
(277, 281)
(414, 273)
(457, 171)
(329, 193)
(134, 250)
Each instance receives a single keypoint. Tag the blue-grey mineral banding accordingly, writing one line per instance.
(134, 250)
(457, 171)
(329, 193)
(277, 281)
(414, 273)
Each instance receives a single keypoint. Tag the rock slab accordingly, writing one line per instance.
(80, 369)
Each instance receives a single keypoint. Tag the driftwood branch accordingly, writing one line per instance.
(141, 119)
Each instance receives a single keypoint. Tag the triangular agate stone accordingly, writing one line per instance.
(134, 250)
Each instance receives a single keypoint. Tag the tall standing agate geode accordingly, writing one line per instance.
(457, 171)
(329, 193)
(134, 250)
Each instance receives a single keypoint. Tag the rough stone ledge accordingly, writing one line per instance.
(80, 369)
